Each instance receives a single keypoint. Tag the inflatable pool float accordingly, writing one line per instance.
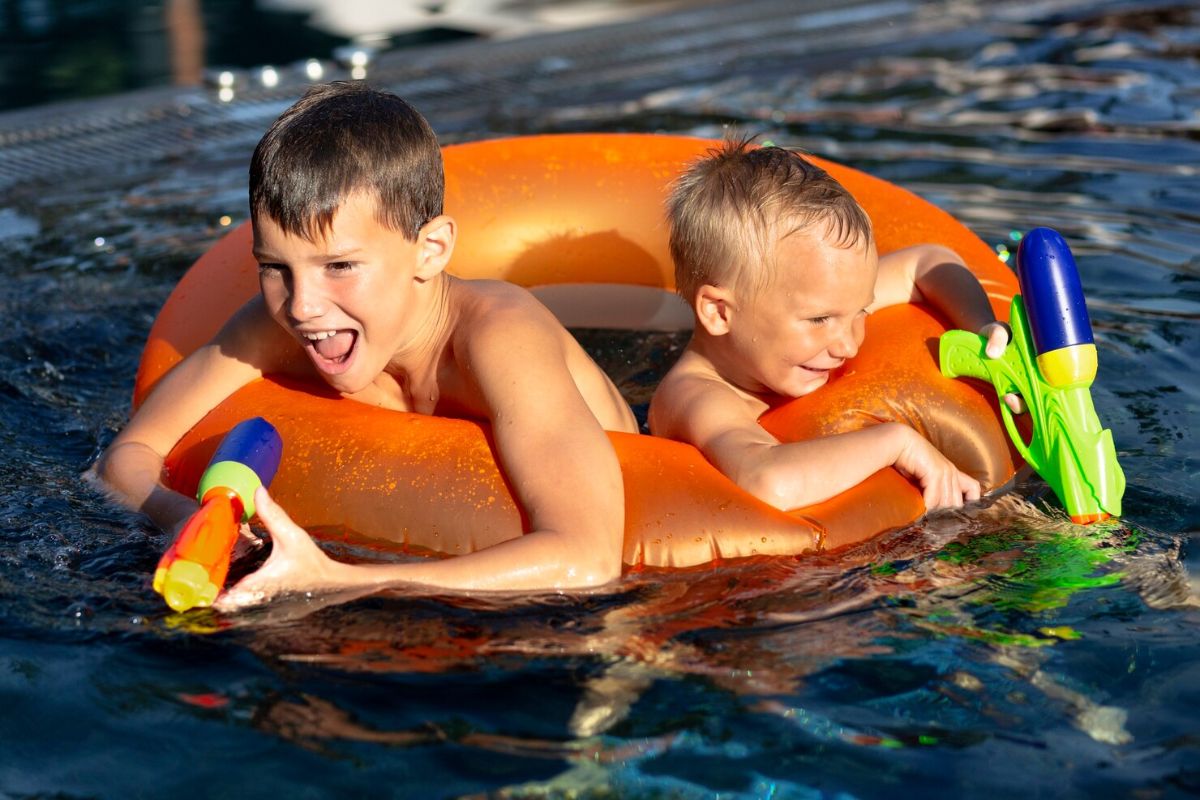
(581, 217)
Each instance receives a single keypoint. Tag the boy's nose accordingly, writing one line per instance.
(845, 343)
(306, 302)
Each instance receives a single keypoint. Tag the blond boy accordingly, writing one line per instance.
(778, 263)
(346, 203)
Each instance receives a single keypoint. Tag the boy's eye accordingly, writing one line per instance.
(269, 269)
(819, 320)
(340, 266)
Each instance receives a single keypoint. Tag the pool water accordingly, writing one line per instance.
(993, 652)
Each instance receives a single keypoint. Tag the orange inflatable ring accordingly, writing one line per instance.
(586, 209)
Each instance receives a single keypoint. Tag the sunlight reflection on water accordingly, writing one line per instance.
(934, 656)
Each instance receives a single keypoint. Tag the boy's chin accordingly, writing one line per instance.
(800, 388)
(345, 383)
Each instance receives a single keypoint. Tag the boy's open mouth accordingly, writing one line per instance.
(331, 351)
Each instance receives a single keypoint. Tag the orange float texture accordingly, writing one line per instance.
(570, 209)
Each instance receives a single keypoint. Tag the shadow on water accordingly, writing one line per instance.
(935, 657)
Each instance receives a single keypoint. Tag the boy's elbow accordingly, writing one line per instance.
(605, 562)
(93, 476)
(99, 474)
(601, 572)
(112, 462)
(772, 486)
(783, 484)
(593, 560)
(127, 471)
(588, 570)
(108, 477)
(933, 255)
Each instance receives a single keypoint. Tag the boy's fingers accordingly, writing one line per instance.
(973, 490)
(998, 337)
(273, 516)
(1015, 403)
(268, 510)
(237, 598)
(263, 502)
(931, 499)
(940, 497)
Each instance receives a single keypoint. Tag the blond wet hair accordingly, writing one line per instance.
(730, 207)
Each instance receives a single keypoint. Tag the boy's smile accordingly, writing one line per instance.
(331, 351)
(354, 298)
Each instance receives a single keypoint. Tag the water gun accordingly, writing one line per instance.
(1051, 363)
(192, 571)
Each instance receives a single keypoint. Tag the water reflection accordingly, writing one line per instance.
(940, 655)
(944, 638)
(994, 582)
(52, 50)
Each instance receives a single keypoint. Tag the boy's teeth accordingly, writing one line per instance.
(319, 335)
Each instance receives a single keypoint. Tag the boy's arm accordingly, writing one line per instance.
(937, 275)
(555, 456)
(131, 467)
(714, 418)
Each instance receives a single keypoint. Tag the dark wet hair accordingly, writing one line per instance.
(341, 138)
(730, 207)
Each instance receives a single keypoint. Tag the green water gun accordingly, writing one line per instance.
(1051, 363)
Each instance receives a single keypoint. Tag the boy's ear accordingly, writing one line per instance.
(436, 241)
(714, 309)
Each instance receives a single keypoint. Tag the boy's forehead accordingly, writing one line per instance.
(823, 275)
(806, 248)
(355, 211)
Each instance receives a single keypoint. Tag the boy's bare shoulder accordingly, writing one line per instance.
(509, 341)
(494, 295)
(490, 311)
(501, 331)
(691, 392)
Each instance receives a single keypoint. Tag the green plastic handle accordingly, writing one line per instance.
(1069, 448)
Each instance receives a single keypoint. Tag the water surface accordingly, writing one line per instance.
(969, 654)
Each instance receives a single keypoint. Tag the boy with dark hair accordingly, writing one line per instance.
(346, 205)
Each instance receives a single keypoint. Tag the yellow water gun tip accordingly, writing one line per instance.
(185, 585)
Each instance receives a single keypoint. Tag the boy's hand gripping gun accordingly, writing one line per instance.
(192, 571)
(1050, 362)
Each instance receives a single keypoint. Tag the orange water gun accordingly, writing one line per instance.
(193, 569)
